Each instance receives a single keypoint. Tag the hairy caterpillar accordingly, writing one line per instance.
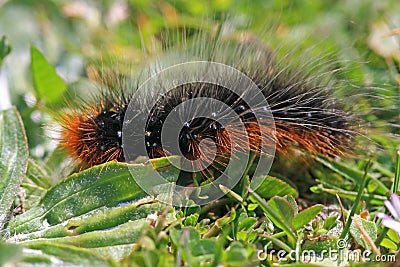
(299, 92)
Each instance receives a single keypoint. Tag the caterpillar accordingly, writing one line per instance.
(300, 92)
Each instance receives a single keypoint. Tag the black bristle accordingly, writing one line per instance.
(300, 95)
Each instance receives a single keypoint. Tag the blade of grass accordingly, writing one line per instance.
(381, 236)
(372, 199)
(231, 194)
(272, 215)
(357, 201)
(353, 175)
(278, 243)
(395, 185)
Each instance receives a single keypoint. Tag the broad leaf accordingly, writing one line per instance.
(235, 254)
(101, 209)
(189, 238)
(282, 208)
(305, 216)
(387, 243)
(47, 254)
(106, 185)
(360, 235)
(276, 217)
(48, 85)
(13, 159)
(272, 186)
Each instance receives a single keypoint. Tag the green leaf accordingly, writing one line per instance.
(191, 234)
(191, 220)
(282, 208)
(32, 194)
(48, 85)
(228, 218)
(247, 223)
(35, 183)
(37, 174)
(13, 159)
(252, 206)
(56, 165)
(367, 226)
(293, 203)
(189, 239)
(114, 237)
(46, 254)
(392, 234)
(5, 49)
(273, 216)
(101, 209)
(150, 258)
(236, 254)
(272, 186)
(205, 247)
(127, 233)
(330, 222)
(320, 245)
(8, 253)
(100, 219)
(387, 243)
(305, 216)
(103, 185)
